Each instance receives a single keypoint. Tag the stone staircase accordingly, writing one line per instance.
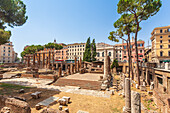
(83, 84)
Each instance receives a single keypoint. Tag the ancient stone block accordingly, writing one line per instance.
(67, 99)
(20, 98)
(17, 106)
(2, 100)
(60, 108)
(21, 91)
(62, 102)
(5, 110)
(66, 110)
(50, 110)
(36, 95)
(143, 88)
(37, 107)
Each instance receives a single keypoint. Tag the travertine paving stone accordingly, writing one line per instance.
(48, 101)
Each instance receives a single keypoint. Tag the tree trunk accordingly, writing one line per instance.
(131, 67)
(137, 63)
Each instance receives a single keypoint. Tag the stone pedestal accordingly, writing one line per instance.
(166, 65)
(127, 96)
(136, 102)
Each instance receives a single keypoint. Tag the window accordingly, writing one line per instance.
(124, 47)
(4, 47)
(161, 37)
(4, 54)
(160, 46)
(161, 53)
(102, 54)
(4, 50)
(161, 31)
(169, 53)
(124, 52)
(98, 54)
(169, 36)
(120, 55)
(168, 46)
(169, 41)
(160, 80)
(141, 45)
(110, 54)
(160, 41)
(124, 56)
(120, 51)
(140, 51)
(8, 54)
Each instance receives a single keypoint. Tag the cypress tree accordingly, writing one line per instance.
(93, 50)
(87, 53)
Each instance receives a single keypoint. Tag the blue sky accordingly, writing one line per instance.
(70, 21)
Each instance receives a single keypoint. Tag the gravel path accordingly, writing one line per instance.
(41, 83)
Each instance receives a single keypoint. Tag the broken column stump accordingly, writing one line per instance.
(136, 102)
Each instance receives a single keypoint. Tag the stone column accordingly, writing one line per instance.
(46, 62)
(68, 71)
(78, 66)
(136, 102)
(56, 65)
(75, 62)
(109, 72)
(53, 58)
(39, 59)
(127, 96)
(34, 60)
(28, 61)
(166, 65)
(80, 63)
(147, 77)
(66, 67)
(59, 72)
(71, 68)
(49, 59)
(105, 65)
(43, 62)
(123, 81)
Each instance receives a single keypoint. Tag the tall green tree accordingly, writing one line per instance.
(32, 49)
(141, 10)
(93, 50)
(53, 45)
(12, 13)
(87, 53)
(4, 36)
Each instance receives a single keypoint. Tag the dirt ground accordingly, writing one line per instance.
(91, 104)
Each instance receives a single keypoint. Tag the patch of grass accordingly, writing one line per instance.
(12, 86)
(115, 110)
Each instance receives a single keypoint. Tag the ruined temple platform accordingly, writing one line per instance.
(84, 81)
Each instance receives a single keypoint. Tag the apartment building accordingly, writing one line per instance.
(61, 54)
(160, 38)
(76, 50)
(118, 52)
(141, 51)
(7, 53)
(100, 47)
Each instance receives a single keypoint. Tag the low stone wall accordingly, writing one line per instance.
(17, 106)
(27, 75)
(47, 76)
